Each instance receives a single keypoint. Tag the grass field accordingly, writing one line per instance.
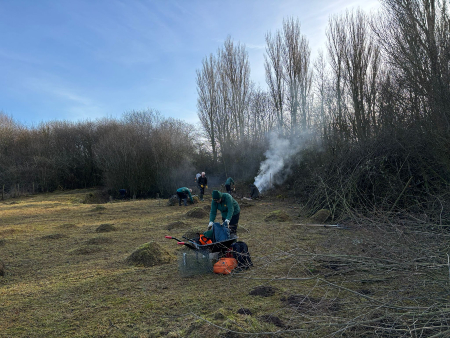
(63, 277)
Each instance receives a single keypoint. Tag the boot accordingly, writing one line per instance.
(201, 197)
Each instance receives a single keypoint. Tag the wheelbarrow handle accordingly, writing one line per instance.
(189, 245)
(171, 237)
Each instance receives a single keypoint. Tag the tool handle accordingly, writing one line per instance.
(168, 237)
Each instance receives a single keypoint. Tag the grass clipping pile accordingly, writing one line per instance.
(149, 254)
(197, 213)
(277, 216)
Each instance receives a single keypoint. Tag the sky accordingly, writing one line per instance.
(78, 60)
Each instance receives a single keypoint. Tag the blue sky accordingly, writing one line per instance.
(87, 59)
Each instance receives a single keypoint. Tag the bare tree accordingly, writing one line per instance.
(235, 67)
(296, 56)
(262, 117)
(224, 90)
(321, 80)
(355, 61)
(336, 41)
(415, 37)
(361, 60)
(208, 100)
(274, 75)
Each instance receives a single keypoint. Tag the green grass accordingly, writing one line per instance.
(64, 279)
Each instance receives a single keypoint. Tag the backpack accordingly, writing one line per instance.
(224, 266)
(220, 233)
(242, 256)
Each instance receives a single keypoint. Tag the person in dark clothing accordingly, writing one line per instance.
(228, 184)
(202, 183)
(228, 207)
(254, 191)
(182, 194)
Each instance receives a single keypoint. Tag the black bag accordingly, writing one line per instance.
(242, 256)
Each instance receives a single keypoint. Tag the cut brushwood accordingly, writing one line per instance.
(339, 226)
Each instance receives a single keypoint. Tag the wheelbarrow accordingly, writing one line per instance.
(192, 243)
(221, 240)
(203, 255)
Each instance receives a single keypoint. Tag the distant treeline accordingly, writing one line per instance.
(142, 153)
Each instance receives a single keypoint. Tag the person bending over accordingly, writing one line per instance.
(228, 184)
(228, 207)
(182, 194)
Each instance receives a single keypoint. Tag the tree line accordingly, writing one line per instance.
(143, 153)
(375, 104)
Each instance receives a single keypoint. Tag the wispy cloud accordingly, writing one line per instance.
(57, 90)
(258, 47)
(17, 57)
(72, 103)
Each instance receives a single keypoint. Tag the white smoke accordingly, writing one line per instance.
(276, 167)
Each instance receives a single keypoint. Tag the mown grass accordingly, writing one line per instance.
(63, 278)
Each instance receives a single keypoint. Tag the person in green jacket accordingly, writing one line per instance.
(228, 184)
(182, 194)
(229, 208)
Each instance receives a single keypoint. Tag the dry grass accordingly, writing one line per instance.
(62, 278)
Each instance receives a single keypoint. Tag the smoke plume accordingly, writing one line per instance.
(276, 167)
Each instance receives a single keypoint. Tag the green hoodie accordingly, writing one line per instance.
(228, 206)
(229, 181)
(186, 191)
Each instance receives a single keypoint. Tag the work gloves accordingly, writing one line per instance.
(201, 186)
(210, 225)
(206, 187)
(226, 223)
